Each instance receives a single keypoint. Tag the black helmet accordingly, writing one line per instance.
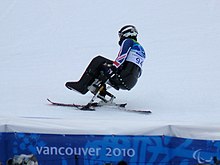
(128, 31)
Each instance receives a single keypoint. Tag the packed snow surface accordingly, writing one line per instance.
(43, 44)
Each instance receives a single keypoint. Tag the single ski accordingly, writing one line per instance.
(86, 107)
(78, 106)
(122, 107)
(92, 106)
(144, 111)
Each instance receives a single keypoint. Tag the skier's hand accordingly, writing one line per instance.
(110, 70)
(107, 71)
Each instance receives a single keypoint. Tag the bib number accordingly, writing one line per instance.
(139, 61)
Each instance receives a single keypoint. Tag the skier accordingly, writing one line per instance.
(122, 73)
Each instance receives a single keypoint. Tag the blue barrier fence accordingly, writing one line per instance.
(59, 149)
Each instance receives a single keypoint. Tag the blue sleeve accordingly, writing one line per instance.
(124, 51)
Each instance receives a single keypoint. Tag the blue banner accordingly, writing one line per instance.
(102, 149)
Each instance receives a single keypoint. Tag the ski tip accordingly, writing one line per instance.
(146, 112)
(49, 100)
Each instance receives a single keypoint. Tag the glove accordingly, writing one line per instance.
(106, 72)
(109, 70)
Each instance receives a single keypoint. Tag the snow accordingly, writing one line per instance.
(43, 44)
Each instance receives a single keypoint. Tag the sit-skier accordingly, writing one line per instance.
(123, 73)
